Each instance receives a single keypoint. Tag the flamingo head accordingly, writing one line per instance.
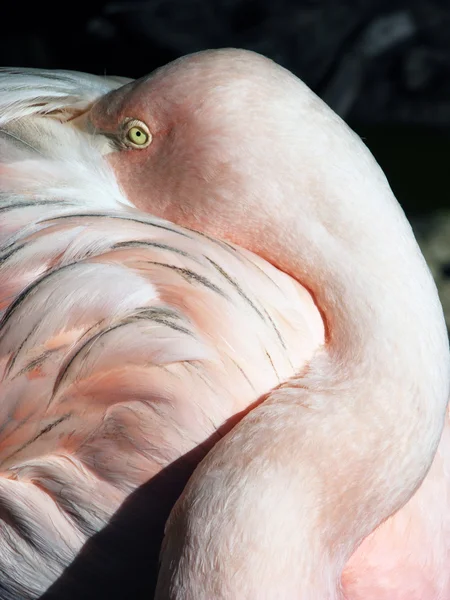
(228, 143)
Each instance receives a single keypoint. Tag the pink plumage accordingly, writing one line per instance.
(153, 304)
(125, 342)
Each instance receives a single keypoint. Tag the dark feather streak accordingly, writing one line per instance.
(161, 315)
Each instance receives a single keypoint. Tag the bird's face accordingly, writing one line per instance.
(196, 143)
(228, 143)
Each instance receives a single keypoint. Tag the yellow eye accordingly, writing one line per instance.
(137, 134)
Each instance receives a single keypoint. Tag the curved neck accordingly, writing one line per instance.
(296, 486)
(309, 473)
(380, 387)
(347, 240)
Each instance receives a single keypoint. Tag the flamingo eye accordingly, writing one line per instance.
(137, 134)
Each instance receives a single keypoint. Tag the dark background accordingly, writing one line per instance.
(384, 66)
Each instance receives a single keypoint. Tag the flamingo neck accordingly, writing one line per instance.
(332, 453)
(380, 387)
(280, 504)
(362, 264)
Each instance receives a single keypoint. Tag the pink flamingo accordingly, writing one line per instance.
(128, 341)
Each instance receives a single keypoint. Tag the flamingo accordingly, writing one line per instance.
(127, 211)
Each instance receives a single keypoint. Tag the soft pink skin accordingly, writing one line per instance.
(208, 168)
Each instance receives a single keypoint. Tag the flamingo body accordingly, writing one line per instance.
(128, 340)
